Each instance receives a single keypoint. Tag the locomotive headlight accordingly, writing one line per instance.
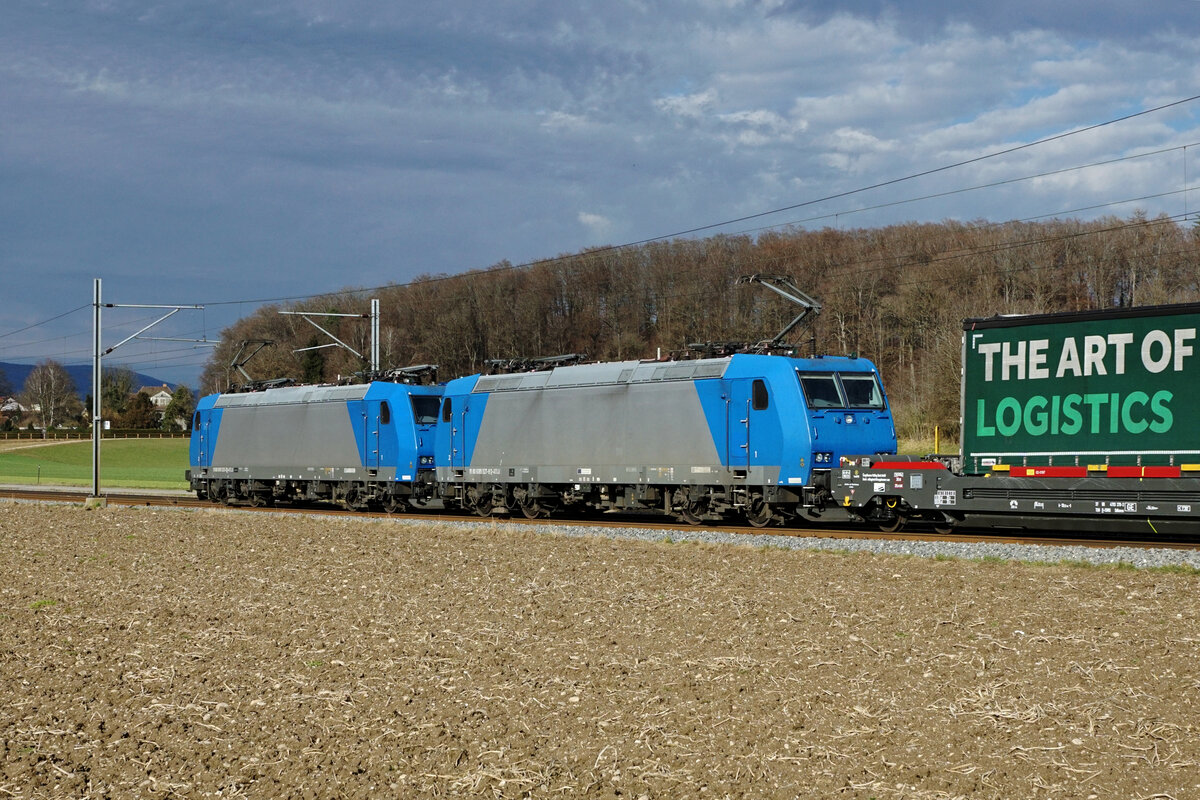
(822, 458)
(426, 461)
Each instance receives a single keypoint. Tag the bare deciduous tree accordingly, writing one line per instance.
(896, 295)
(50, 395)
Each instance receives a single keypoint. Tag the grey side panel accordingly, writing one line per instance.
(615, 372)
(624, 426)
(297, 435)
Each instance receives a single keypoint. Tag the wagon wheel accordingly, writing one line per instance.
(759, 513)
(894, 525)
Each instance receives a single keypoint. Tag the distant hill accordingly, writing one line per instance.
(81, 374)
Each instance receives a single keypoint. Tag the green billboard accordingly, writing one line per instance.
(1078, 389)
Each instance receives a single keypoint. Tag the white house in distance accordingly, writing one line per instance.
(10, 405)
(160, 396)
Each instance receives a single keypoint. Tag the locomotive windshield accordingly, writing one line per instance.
(425, 408)
(841, 390)
(820, 391)
(862, 391)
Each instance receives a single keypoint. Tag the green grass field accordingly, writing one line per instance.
(131, 463)
(153, 463)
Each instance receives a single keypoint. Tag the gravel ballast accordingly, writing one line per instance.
(1002, 551)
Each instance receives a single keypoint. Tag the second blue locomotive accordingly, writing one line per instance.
(365, 445)
(700, 439)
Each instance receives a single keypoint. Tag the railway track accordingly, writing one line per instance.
(640, 522)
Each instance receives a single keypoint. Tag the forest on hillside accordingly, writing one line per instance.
(896, 295)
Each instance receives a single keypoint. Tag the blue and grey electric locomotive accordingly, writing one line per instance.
(699, 439)
(361, 445)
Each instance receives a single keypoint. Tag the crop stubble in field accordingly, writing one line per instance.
(184, 654)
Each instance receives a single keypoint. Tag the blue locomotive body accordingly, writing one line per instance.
(360, 445)
(696, 438)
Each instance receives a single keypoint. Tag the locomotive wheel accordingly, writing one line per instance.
(392, 504)
(691, 513)
(256, 500)
(527, 500)
(480, 501)
(759, 513)
(691, 510)
(894, 525)
(355, 499)
(532, 509)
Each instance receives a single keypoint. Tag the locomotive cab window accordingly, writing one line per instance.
(862, 390)
(425, 409)
(447, 412)
(196, 421)
(820, 391)
(759, 397)
(385, 413)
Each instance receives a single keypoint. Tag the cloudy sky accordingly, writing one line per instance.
(224, 152)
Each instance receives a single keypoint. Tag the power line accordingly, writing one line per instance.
(45, 321)
(761, 214)
(155, 356)
(924, 173)
(698, 229)
(995, 184)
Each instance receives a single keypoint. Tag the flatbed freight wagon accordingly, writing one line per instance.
(1083, 421)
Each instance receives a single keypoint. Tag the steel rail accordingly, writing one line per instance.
(640, 522)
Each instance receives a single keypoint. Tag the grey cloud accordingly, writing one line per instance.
(1096, 19)
(182, 148)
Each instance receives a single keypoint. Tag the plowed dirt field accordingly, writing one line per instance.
(195, 654)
